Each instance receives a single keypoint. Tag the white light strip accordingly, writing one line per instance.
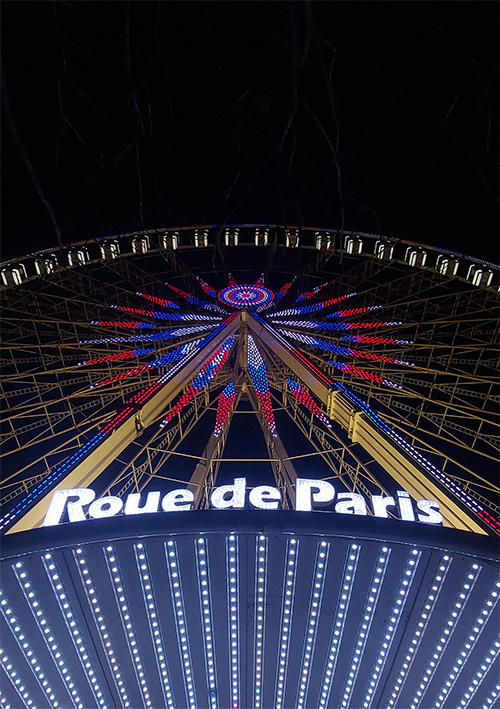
(488, 662)
(261, 555)
(40, 619)
(339, 623)
(493, 696)
(292, 550)
(102, 629)
(233, 609)
(446, 634)
(207, 625)
(72, 627)
(125, 617)
(477, 629)
(395, 616)
(423, 621)
(11, 673)
(3, 702)
(364, 628)
(154, 624)
(28, 653)
(318, 585)
(177, 595)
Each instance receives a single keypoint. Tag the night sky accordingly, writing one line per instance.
(377, 117)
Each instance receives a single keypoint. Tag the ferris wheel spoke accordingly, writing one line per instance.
(340, 457)
(163, 443)
(426, 445)
(417, 345)
(446, 429)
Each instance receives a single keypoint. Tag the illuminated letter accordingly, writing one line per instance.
(177, 501)
(73, 500)
(309, 492)
(431, 515)
(352, 504)
(405, 506)
(265, 497)
(380, 505)
(105, 507)
(133, 500)
(230, 495)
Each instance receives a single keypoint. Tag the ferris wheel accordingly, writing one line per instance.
(148, 360)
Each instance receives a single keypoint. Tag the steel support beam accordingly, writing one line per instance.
(284, 472)
(205, 474)
(111, 447)
(361, 430)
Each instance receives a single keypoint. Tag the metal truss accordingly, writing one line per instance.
(443, 404)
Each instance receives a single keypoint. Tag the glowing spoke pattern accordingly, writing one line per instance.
(318, 325)
(121, 323)
(158, 301)
(206, 288)
(225, 404)
(314, 307)
(310, 293)
(305, 398)
(282, 292)
(353, 311)
(258, 374)
(363, 374)
(370, 339)
(163, 335)
(279, 295)
(194, 300)
(165, 359)
(207, 373)
(126, 354)
(137, 311)
(338, 349)
(176, 317)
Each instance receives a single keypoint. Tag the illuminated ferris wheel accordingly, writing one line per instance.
(149, 372)
(330, 342)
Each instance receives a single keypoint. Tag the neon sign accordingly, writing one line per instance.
(80, 504)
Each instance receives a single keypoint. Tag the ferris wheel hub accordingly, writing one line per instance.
(245, 296)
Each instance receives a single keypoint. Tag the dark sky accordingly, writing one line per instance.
(378, 117)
